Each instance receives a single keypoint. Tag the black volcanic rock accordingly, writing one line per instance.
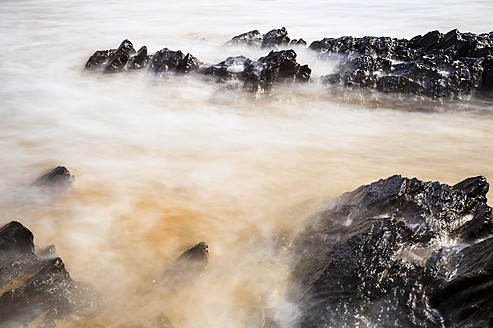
(166, 60)
(57, 180)
(277, 66)
(189, 265)
(272, 39)
(33, 286)
(118, 60)
(252, 39)
(140, 60)
(230, 69)
(15, 240)
(390, 254)
(454, 65)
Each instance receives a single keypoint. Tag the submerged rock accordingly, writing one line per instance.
(454, 65)
(391, 254)
(189, 265)
(57, 180)
(277, 66)
(272, 39)
(35, 287)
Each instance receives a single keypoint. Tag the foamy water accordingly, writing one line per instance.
(163, 165)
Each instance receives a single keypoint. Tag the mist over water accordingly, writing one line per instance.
(161, 165)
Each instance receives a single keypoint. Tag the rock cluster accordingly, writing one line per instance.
(256, 76)
(452, 65)
(398, 253)
(439, 66)
(34, 283)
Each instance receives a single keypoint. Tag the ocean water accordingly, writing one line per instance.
(161, 165)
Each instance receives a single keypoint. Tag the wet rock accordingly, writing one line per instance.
(389, 254)
(118, 60)
(272, 39)
(229, 70)
(454, 65)
(252, 39)
(189, 265)
(15, 240)
(298, 42)
(99, 59)
(140, 60)
(166, 60)
(33, 287)
(276, 37)
(277, 66)
(57, 180)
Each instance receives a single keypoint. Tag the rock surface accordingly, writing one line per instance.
(452, 65)
(33, 286)
(56, 181)
(272, 39)
(398, 253)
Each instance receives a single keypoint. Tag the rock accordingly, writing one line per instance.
(229, 70)
(33, 287)
(166, 60)
(189, 265)
(98, 59)
(389, 254)
(252, 39)
(298, 42)
(118, 60)
(454, 65)
(277, 66)
(140, 60)
(272, 39)
(15, 240)
(57, 180)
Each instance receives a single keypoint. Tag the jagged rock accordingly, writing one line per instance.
(32, 286)
(272, 39)
(118, 60)
(252, 39)
(454, 65)
(140, 60)
(298, 42)
(98, 59)
(277, 66)
(57, 180)
(230, 69)
(167, 60)
(15, 240)
(376, 257)
(276, 37)
(187, 266)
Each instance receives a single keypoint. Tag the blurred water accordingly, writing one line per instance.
(160, 166)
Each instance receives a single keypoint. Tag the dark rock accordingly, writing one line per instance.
(272, 39)
(229, 70)
(277, 66)
(376, 257)
(99, 59)
(57, 180)
(187, 267)
(252, 39)
(454, 65)
(118, 60)
(298, 42)
(32, 287)
(140, 60)
(276, 37)
(15, 240)
(166, 60)
(466, 300)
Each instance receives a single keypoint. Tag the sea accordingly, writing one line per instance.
(161, 164)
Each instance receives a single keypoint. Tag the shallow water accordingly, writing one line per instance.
(163, 165)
